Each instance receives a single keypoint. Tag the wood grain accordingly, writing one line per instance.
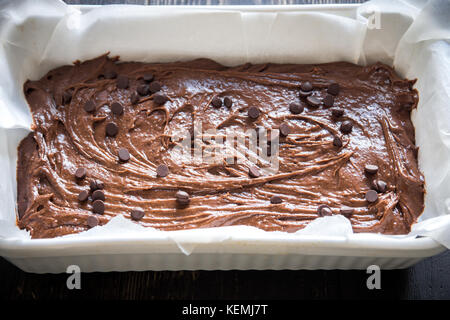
(427, 280)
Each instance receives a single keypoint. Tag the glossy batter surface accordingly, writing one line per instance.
(322, 163)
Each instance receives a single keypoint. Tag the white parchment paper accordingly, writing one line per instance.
(412, 36)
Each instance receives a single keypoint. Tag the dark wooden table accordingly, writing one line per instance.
(429, 279)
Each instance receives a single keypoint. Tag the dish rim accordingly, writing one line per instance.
(151, 243)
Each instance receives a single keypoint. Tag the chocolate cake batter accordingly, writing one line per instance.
(101, 146)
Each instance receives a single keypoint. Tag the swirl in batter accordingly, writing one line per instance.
(101, 146)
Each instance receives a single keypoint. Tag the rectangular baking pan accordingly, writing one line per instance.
(159, 252)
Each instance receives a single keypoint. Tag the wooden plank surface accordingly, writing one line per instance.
(429, 279)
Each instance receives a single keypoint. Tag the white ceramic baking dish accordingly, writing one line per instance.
(159, 252)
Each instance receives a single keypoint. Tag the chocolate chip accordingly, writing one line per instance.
(182, 197)
(134, 98)
(98, 195)
(324, 210)
(371, 168)
(216, 102)
(96, 184)
(275, 200)
(98, 206)
(67, 96)
(148, 77)
(227, 102)
(116, 108)
(159, 99)
(346, 211)
(379, 185)
(337, 141)
(333, 89)
(89, 106)
(92, 221)
(337, 112)
(124, 155)
(122, 82)
(304, 94)
(296, 108)
(382, 186)
(162, 170)
(306, 86)
(253, 172)
(143, 90)
(346, 127)
(137, 214)
(284, 129)
(328, 101)
(313, 101)
(154, 87)
(371, 196)
(80, 173)
(253, 112)
(111, 129)
(83, 196)
(110, 74)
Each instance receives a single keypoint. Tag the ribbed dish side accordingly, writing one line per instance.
(157, 262)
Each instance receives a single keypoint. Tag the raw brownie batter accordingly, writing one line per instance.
(103, 145)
